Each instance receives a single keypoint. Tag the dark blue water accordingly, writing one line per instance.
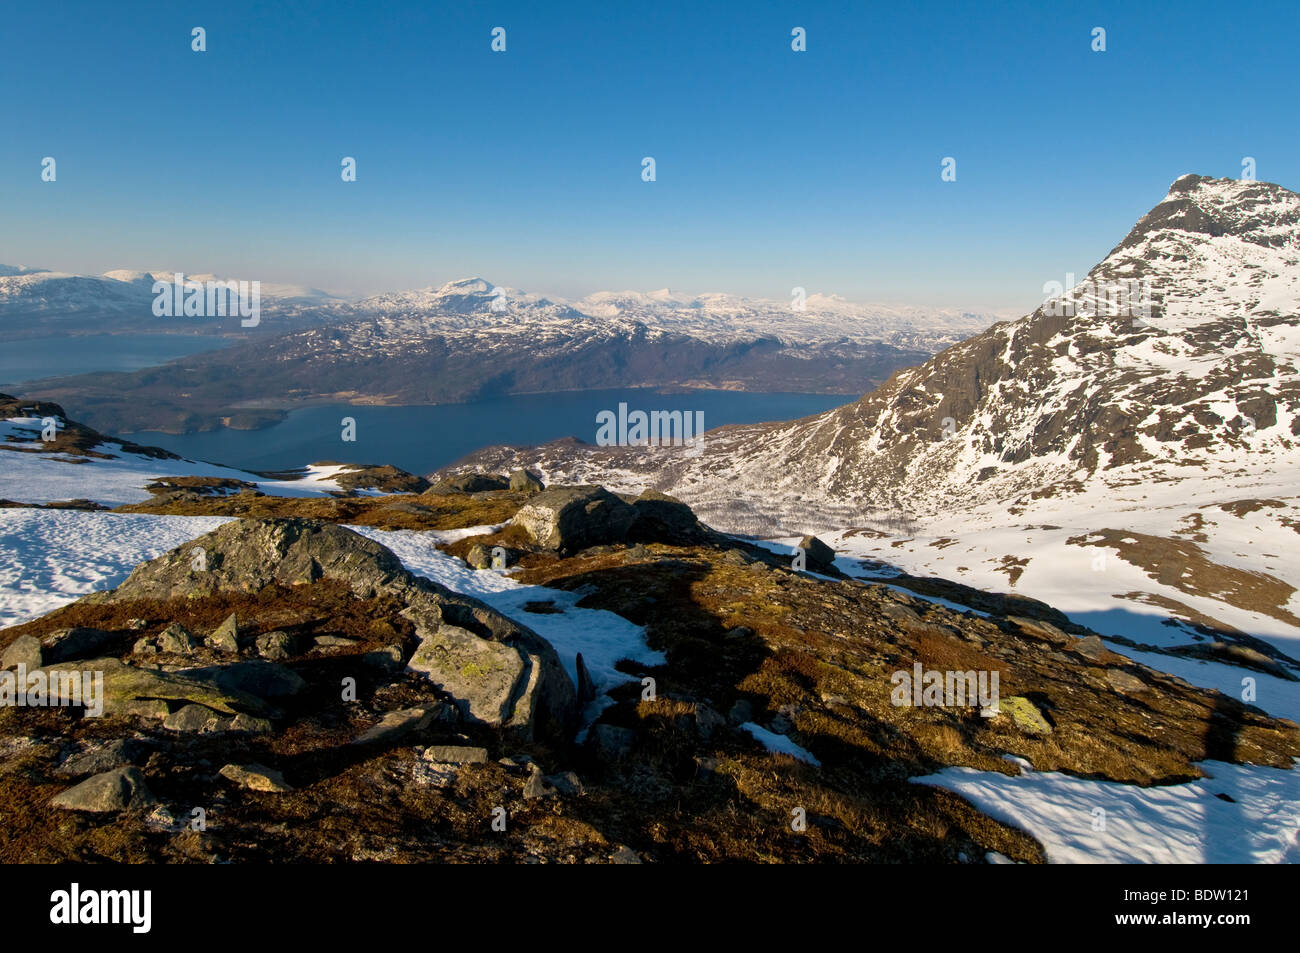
(35, 358)
(421, 439)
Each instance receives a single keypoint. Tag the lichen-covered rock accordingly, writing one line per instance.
(567, 519)
(498, 672)
(521, 481)
(114, 790)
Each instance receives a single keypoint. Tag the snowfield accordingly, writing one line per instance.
(32, 475)
(49, 558)
(1172, 824)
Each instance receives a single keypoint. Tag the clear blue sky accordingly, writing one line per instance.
(775, 168)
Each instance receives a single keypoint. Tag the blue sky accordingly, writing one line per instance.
(774, 168)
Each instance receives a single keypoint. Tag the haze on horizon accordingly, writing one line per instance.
(774, 168)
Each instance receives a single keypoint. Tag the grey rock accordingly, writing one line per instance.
(388, 659)
(741, 712)
(98, 758)
(255, 677)
(469, 483)
(245, 556)
(80, 642)
(250, 724)
(1124, 683)
(820, 558)
(708, 721)
(479, 557)
(177, 640)
(114, 790)
(256, 777)
(586, 687)
(661, 518)
(455, 754)
(521, 481)
(195, 719)
(225, 638)
(564, 784)
(24, 650)
(126, 685)
(333, 642)
(396, 725)
(568, 519)
(1092, 648)
(494, 683)
(276, 646)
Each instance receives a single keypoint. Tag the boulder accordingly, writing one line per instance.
(469, 483)
(499, 673)
(397, 724)
(479, 557)
(662, 519)
(101, 757)
(263, 679)
(820, 557)
(195, 719)
(1124, 682)
(563, 784)
(114, 790)
(225, 637)
(521, 481)
(586, 686)
(276, 646)
(455, 754)
(567, 519)
(24, 650)
(1025, 715)
(176, 640)
(256, 777)
(67, 645)
(497, 683)
(124, 684)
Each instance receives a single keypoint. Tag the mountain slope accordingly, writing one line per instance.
(1139, 470)
(1207, 382)
(470, 339)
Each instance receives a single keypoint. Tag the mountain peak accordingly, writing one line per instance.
(463, 286)
(1261, 213)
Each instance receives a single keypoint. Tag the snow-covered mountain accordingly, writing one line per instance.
(1203, 380)
(814, 319)
(470, 339)
(36, 301)
(1114, 454)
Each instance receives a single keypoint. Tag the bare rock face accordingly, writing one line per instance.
(498, 672)
(469, 483)
(567, 519)
(115, 790)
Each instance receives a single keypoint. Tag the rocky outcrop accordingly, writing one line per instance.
(469, 483)
(567, 519)
(497, 672)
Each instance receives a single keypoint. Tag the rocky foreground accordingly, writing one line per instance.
(284, 689)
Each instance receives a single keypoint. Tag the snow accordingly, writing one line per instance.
(49, 558)
(779, 744)
(33, 475)
(602, 637)
(1171, 824)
